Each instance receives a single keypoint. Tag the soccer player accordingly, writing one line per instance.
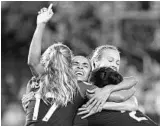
(108, 56)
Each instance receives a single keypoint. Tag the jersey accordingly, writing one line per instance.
(117, 118)
(62, 116)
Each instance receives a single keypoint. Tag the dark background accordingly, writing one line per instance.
(134, 27)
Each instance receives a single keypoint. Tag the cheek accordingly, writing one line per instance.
(104, 63)
(87, 71)
(118, 68)
(73, 68)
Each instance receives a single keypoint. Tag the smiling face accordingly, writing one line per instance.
(109, 58)
(81, 67)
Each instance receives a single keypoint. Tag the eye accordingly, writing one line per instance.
(86, 66)
(110, 59)
(75, 64)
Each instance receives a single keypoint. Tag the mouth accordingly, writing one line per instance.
(79, 73)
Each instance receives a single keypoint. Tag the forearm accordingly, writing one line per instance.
(35, 51)
(35, 47)
(122, 95)
(129, 105)
(127, 83)
(115, 106)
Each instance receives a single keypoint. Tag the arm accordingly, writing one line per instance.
(32, 87)
(99, 93)
(117, 97)
(26, 98)
(35, 47)
(122, 95)
(127, 83)
(128, 105)
(113, 91)
(102, 94)
(35, 51)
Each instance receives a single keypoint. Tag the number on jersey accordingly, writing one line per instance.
(133, 115)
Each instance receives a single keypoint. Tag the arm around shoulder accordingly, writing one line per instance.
(128, 105)
(127, 83)
(130, 81)
(122, 95)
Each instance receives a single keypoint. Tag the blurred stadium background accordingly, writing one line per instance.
(134, 27)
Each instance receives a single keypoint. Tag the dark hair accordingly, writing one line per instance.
(105, 76)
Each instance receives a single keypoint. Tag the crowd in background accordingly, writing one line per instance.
(134, 27)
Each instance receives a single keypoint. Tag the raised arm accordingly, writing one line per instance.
(44, 16)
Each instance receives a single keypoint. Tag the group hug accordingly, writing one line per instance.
(70, 90)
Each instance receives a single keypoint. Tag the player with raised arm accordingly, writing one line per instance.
(56, 59)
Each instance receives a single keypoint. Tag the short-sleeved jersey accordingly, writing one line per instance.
(62, 116)
(67, 116)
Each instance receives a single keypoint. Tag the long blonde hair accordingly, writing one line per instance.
(59, 78)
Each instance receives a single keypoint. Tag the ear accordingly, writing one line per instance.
(95, 64)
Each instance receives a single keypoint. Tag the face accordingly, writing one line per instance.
(109, 58)
(81, 67)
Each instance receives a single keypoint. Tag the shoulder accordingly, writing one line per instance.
(87, 83)
(84, 86)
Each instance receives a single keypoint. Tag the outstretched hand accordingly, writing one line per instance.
(45, 14)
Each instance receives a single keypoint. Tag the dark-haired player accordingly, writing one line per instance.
(108, 56)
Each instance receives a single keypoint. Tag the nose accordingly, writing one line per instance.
(114, 68)
(79, 67)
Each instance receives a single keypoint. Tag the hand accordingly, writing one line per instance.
(26, 99)
(44, 15)
(98, 99)
(33, 85)
(86, 111)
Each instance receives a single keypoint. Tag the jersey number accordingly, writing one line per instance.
(132, 115)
